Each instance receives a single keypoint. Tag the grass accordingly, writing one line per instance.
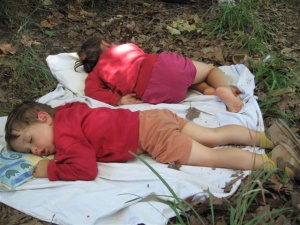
(32, 64)
(28, 74)
(31, 75)
(249, 190)
(241, 22)
(277, 80)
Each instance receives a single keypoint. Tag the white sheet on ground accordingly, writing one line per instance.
(108, 199)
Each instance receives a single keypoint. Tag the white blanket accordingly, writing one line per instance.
(108, 199)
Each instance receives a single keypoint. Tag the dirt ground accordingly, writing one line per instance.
(62, 27)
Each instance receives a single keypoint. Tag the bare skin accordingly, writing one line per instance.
(209, 90)
(129, 99)
(214, 77)
(40, 171)
(203, 154)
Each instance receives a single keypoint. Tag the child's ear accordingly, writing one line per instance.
(104, 45)
(44, 117)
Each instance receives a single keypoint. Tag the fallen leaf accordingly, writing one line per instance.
(87, 14)
(173, 31)
(7, 49)
(74, 17)
(192, 113)
(229, 184)
(47, 24)
(173, 165)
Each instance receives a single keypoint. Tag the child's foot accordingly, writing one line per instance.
(235, 90)
(279, 131)
(286, 159)
(233, 103)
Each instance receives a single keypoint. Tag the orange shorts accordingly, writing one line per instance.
(160, 135)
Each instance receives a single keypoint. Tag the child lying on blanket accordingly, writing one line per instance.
(124, 74)
(81, 136)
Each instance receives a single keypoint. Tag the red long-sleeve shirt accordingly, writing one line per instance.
(120, 70)
(83, 136)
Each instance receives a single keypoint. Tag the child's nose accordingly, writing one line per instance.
(34, 150)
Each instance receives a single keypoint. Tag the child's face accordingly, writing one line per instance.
(36, 138)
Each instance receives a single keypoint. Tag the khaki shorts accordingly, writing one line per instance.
(160, 136)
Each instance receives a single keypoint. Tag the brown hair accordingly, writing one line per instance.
(23, 115)
(89, 54)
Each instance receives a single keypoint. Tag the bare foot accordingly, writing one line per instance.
(235, 90)
(233, 103)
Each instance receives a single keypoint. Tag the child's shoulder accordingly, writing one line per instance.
(71, 105)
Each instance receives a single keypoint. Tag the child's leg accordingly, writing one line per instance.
(282, 156)
(230, 158)
(204, 88)
(209, 90)
(224, 135)
(214, 77)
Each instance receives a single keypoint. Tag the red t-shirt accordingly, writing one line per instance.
(120, 70)
(83, 136)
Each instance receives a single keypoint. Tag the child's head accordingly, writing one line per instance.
(90, 52)
(29, 128)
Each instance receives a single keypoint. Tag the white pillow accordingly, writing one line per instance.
(62, 68)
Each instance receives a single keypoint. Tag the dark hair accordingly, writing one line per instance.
(23, 115)
(89, 54)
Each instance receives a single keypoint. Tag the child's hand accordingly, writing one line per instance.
(129, 99)
(40, 170)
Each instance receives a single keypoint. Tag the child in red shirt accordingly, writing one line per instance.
(80, 136)
(124, 74)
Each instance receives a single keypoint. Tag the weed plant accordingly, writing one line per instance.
(249, 191)
(241, 22)
(32, 75)
(275, 79)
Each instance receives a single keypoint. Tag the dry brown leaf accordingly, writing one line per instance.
(214, 53)
(72, 34)
(27, 41)
(55, 15)
(173, 165)
(87, 14)
(89, 32)
(47, 24)
(264, 210)
(74, 17)
(131, 25)
(192, 113)
(7, 49)
(229, 185)
(282, 220)
(195, 220)
(295, 196)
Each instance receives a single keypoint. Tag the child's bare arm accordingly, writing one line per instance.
(40, 170)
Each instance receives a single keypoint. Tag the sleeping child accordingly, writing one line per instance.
(81, 136)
